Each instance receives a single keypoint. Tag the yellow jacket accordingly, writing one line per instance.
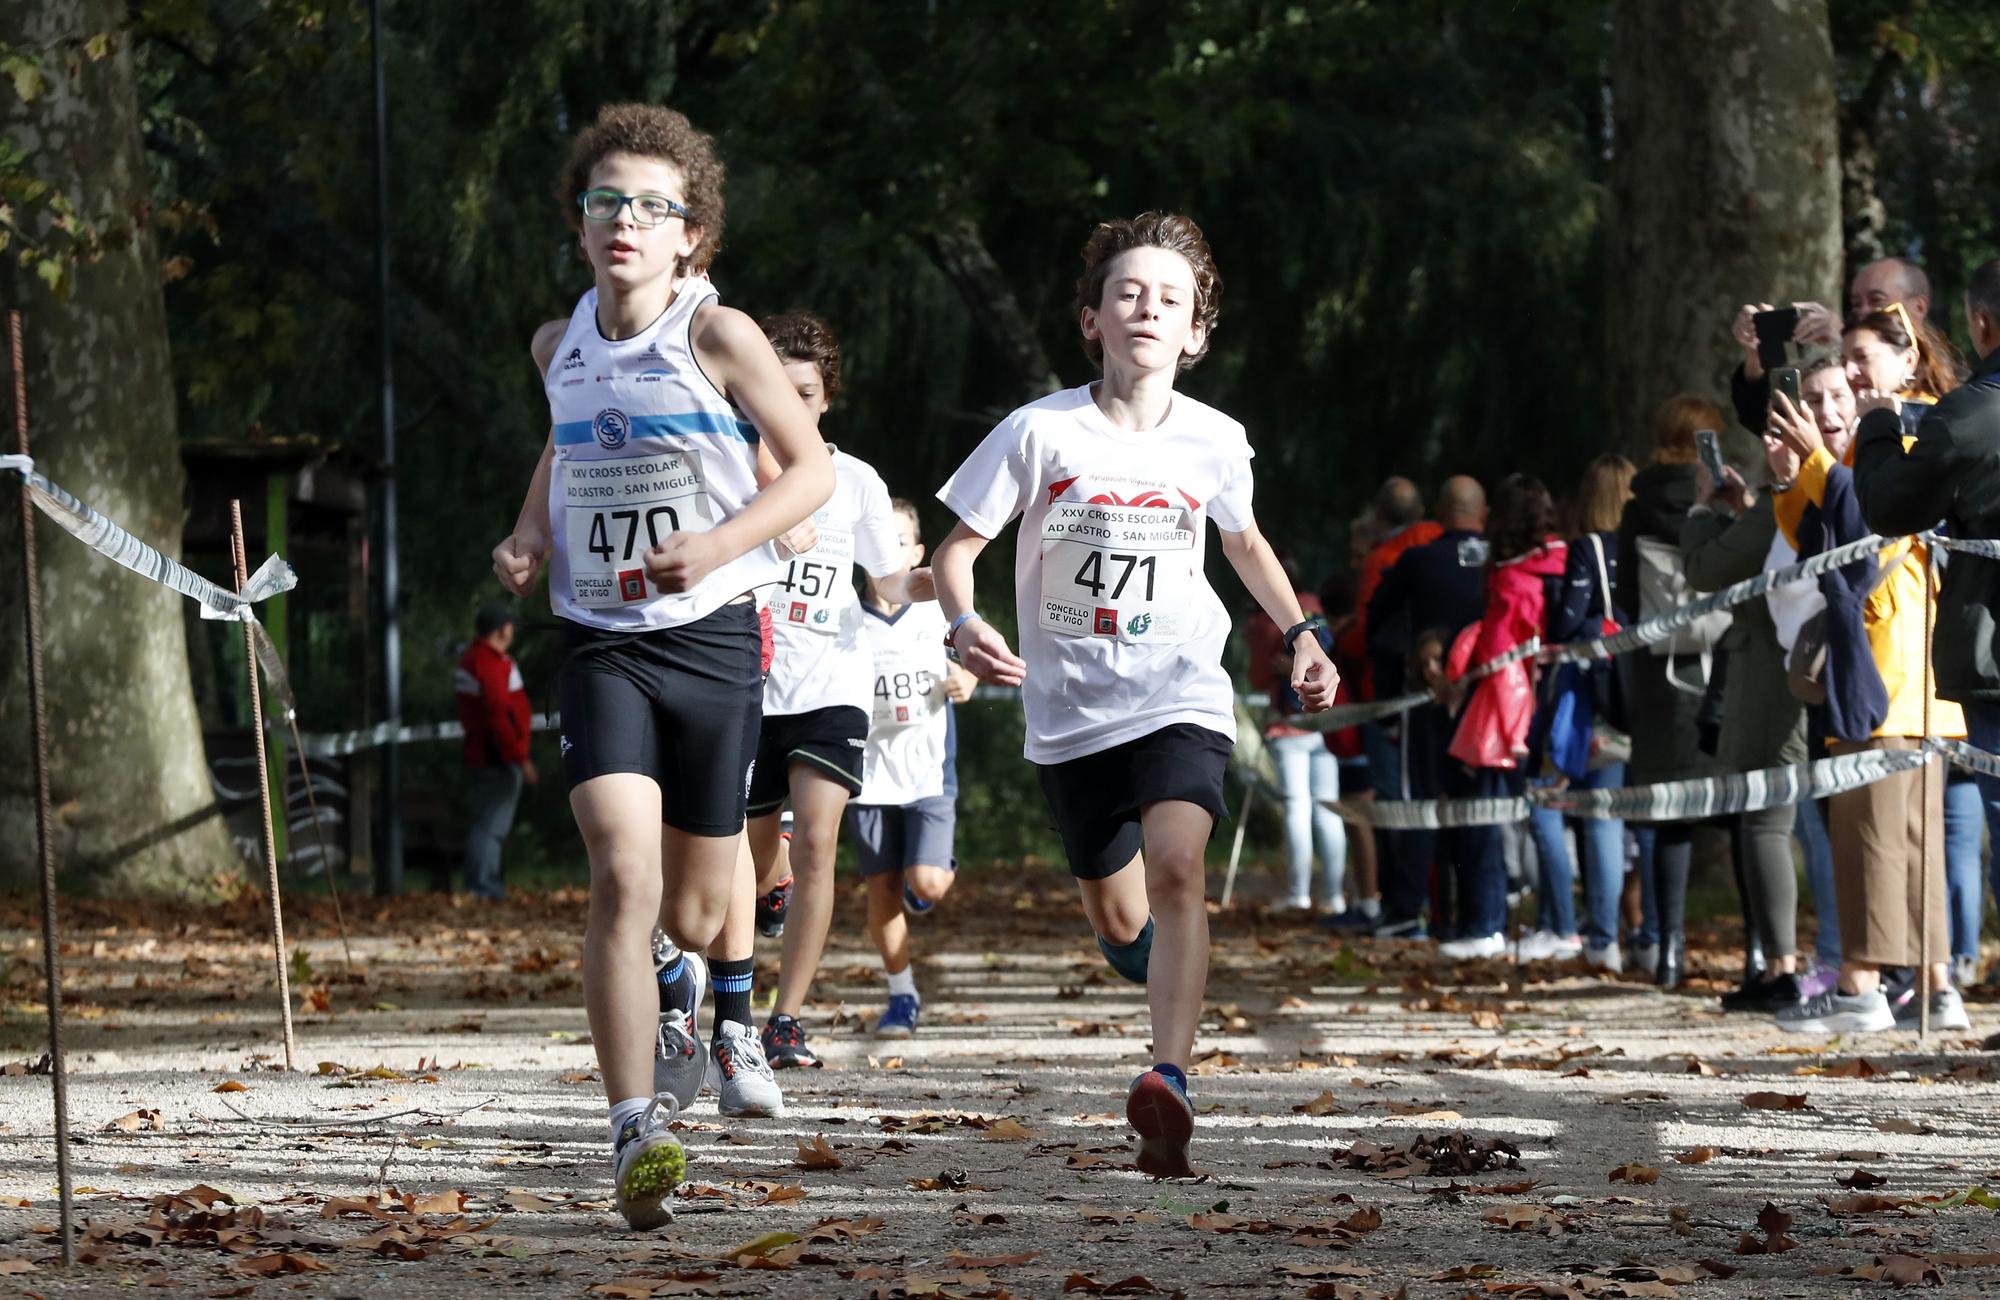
(1894, 617)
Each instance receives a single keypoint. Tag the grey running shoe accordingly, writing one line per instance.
(739, 1072)
(679, 1064)
(648, 1166)
(1834, 1012)
(1947, 1012)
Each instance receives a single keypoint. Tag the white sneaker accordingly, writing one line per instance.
(679, 1065)
(1490, 945)
(1291, 906)
(1834, 1012)
(741, 1075)
(1607, 959)
(1540, 946)
(648, 1166)
(1947, 1012)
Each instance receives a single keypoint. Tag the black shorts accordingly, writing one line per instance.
(678, 704)
(830, 741)
(1097, 798)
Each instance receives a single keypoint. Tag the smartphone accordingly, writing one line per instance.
(1709, 449)
(1774, 331)
(1785, 379)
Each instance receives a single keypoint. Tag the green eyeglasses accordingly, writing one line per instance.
(647, 209)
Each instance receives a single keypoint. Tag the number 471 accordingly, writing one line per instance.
(1091, 574)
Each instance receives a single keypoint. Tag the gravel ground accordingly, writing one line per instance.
(988, 1156)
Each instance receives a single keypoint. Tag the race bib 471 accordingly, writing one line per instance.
(1118, 571)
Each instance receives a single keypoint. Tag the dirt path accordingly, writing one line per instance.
(987, 1156)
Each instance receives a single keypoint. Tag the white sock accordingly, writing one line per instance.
(624, 1112)
(1370, 907)
(903, 982)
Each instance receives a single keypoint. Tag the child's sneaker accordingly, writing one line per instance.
(900, 1020)
(771, 909)
(648, 1166)
(785, 1044)
(741, 1076)
(913, 905)
(678, 1064)
(1159, 1112)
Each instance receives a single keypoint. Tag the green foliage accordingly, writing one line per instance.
(1407, 202)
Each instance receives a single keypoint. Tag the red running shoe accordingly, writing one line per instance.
(771, 909)
(1160, 1114)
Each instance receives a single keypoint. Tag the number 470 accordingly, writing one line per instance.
(1091, 574)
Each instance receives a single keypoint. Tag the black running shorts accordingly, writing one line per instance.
(678, 704)
(1097, 798)
(830, 741)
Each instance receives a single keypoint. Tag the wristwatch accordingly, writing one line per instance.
(1292, 634)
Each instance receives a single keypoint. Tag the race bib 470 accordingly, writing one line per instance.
(1118, 571)
(614, 511)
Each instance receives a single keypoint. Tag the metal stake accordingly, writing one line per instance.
(44, 851)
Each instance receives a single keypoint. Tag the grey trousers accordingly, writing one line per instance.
(495, 792)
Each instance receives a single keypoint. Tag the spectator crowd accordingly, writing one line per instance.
(1867, 426)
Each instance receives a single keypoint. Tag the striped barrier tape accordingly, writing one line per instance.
(273, 577)
(1670, 801)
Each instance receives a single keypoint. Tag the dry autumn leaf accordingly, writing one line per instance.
(1006, 1129)
(138, 1121)
(1775, 1101)
(230, 1085)
(281, 1262)
(1134, 1285)
(1324, 1104)
(1639, 1175)
(1698, 1156)
(817, 1154)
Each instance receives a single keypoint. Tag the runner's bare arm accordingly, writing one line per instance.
(517, 560)
(801, 537)
(1313, 674)
(981, 648)
(734, 354)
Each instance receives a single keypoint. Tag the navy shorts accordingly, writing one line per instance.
(830, 741)
(1097, 798)
(888, 838)
(677, 704)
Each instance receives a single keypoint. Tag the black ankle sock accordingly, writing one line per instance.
(676, 980)
(732, 989)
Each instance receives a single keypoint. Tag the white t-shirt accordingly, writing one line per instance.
(817, 659)
(908, 718)
(1119, 627)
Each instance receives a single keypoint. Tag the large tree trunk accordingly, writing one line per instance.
(134, 807)
(1725, 178)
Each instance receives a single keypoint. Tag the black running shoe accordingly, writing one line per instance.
(785, 1044)
(771, 909)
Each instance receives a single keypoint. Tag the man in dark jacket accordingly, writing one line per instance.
(1951, 474)
(493, 708)
(1438, 585)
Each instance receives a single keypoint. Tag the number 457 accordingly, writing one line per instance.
(1091, 574)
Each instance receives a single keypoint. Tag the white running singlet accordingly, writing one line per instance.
(1120, 630)
(645, 446)
(817, 659)
(908, 718)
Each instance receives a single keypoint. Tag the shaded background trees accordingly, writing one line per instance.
(1453, 238)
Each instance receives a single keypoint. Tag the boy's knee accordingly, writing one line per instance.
(693, 921)
(1176, 876)
(928, 884)
(813, 849)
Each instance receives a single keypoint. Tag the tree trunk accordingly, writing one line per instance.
(958, 251)
(1862, 214)
(134, 810)
(1725, 178)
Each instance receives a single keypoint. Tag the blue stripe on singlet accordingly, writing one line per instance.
(689, 424)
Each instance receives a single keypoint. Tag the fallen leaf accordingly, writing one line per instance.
(1861, 1180)
(956, 1260)
(280, 1262)
(1324, 1104)
(230, 1085)
(1698, 1156)
(1639, 1175)
(1134, 1285)
(1775, 1101)
(817, 1154)
(757, 1247)
(437, 1203)
(1897, 1125)
(1006, 1129)
(138, 1121)
(1866, 1203)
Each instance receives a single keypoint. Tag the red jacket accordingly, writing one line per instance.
(1493, 730)
(492, 706)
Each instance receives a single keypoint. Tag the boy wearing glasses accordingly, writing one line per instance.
(646, 507)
